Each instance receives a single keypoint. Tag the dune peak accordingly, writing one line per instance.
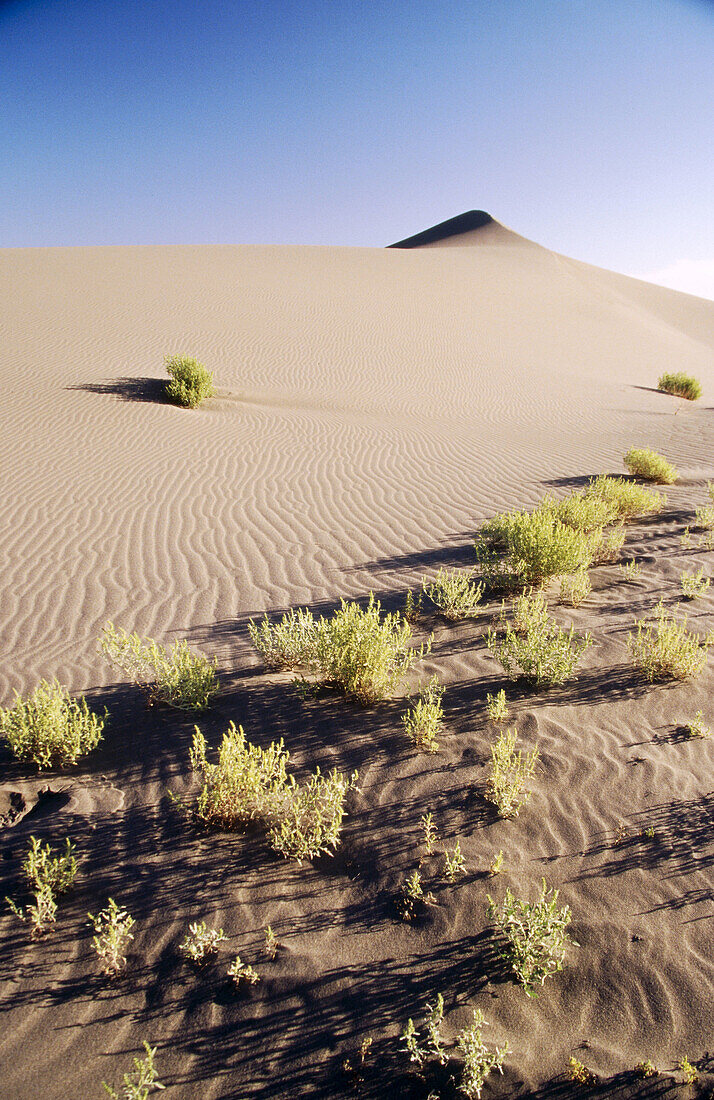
(467, 222)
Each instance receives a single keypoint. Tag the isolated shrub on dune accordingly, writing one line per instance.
(138, 1085)
(49, 727)
(627, 497)
(454, 593)
(534, 933)
(176, 676)
(287, 643)
(542, 652)
(423, 721)
(190, 382)
(663, 649)
(650, 466)
(681, 385)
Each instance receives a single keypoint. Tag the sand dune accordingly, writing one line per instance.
(373, 407)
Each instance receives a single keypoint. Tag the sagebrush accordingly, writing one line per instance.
(190, 383)
(177, 676)
(49, 728)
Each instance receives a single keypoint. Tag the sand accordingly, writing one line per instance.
(374, 406)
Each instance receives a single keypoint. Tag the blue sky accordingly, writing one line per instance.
(587, 125)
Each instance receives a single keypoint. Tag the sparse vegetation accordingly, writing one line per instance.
(664, 649)
(271, 943)
(431, 835)
(286, 644)
(575, 588)
(649, 465)
(412, 606)
(201, 942)
(542, 652)
(412, 898)
(176, 677)
(455, 864)
(696, 726)
(42, 867)
(694, 585)
(534, 933)
(510, 771)
(191, 383)
(631, 570)
(310, 817)
(112, 927)
(646, 1069)
(423, 721)
(680, 385)
(479, 1061)
(41, 914)
(138, 1085)
(704, 517)
(495, 867)
(537, 547)
(49, 728)
(454, 593)
(690, 1073)
(241, 973)
(433, 1046)
(580, 1074)
(497, 706)
(627, 497)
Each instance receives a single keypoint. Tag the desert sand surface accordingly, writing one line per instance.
(374, 407)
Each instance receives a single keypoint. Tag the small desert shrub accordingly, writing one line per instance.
(496, 706)
(455, 864)
(580, 1074)
(609, 545)
(627, 497)
(704, 517)
(534, 933)
(430, 832)
(509, 773)
(454, 593)
(582, 511)
(412, 606)
(541, 547)
(433, 1046)
(287, 643)
(681, 385)
(696, 726)
(112, 928)
(241, 973)
(176, 676)
(495, 867)
(138, 1085)
(201, 942)
(190, 381)
(690, 1073)
(479, 1061)
(412, 899)
(424, 720)
(247, 784)
(544, 653)
(49, 728)
(694, 584)
(363, 654)
(42, 868)
(631, 570)
(575, 588)
(311, 816)
(665, 650)
(529, 611)
(646, 1069)
(271, 943)
(40, 915)
(650, 466)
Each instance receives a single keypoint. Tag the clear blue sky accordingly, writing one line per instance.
(587, 125)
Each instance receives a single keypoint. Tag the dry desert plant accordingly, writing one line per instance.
(694, 584)
(631, 570)
(534, 933)
(241, 973)
(423, 721)
(704, 517)
(680, 385)
(664, 649)
(542, 652)
(49, 728)
(310, 817)
(510, 771)
(138, 1085)
(112, 927)
(495, 867)
(454, 593)
(201, 942)
(190, 381)
(575, 588)
(479, 1061)
(496, 706)
(649, 465)
(176, 676)
(287, 643)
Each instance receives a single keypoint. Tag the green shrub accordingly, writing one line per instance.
(190, 382)
(412, 606)
(412, 899)
(49, 728)
(650, 466)
(176, 676)
(537, 547)
(575, 588)
(543, 653)
(311, 816)
(241, 973)
(508, 775)
(583, 511)
(424, 720)
(454, 863)
(664, 649)
(42, 868)
(362, 654)
(247, 784)
(433, 1046)
(141, 1082)
(201, 942)
(627, 497)
(681, 385)
(534, 933)
(631, 570)
(496, 706)
(479, 1061)
(705, 517)
(609, 545)
(112, 928)
(694, 584)
(287, 643)
(454, 593)
(40, 915)
(696, 726)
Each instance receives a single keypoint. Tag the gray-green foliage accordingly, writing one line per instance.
(177, 676)
(534, 933)
(50, 728)
(541, 651)
(454, 593)
(112, 927)
(528, 548)
(138, 1085)
(509, 773)
(201, 942)
(432, 1046)
(190, 381)
(287, 643)
(479, 1061)
(664, 649)
(424, 719)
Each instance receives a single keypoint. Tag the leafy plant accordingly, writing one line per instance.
(138, 1085)
(42, 868)
(479, 1061)
(496, 865)
(680, 385)
(241, 973)
(646, 1069)
(704, 517)
(631, 570)
(431, 836)
(176, 676)
(583, 511)
(694, 584)
(247, 784)
(537, 547)
(685, 539)
(534, 933)
(423, 722)
(455, 864)
(190, 381)
(271, 943)
(454, 593)
(696, 727)
(580, 1074)
(50, 728)
(412, 606)
(201, 942)
(575, 588)
(690, 1073)
(609, 545)
(311, 816)
(412, 899)
(509, 773)
(112, 928)
(664, 649)
(287, 643)
(40, 915)
(544, 653)
(627, 497)
(496, 706)
(650, 466)
(433, 1046)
